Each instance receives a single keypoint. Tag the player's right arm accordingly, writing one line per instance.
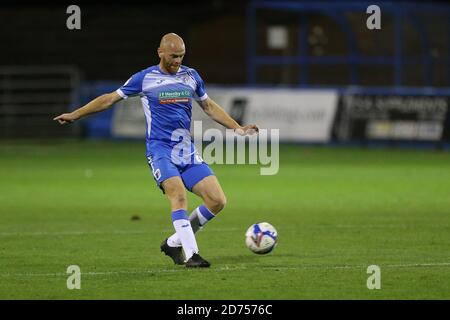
(132, 87)
(100, 103)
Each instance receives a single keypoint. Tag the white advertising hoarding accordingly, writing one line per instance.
(300, 115)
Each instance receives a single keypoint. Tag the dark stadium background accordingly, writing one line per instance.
(328, 46)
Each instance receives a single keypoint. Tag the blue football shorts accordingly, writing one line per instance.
(191, 171)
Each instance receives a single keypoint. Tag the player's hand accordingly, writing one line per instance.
(247, 130)
(65, 118)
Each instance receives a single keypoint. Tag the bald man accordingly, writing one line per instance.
(166, 92)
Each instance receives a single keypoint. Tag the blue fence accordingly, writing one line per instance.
(97, 125)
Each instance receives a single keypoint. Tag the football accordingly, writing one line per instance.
(261, 238)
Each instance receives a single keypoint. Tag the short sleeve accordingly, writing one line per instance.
(200, 91)
(133, 86)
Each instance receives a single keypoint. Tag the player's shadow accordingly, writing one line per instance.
(247, 259)
(235, 260)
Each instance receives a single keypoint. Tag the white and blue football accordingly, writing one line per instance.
(261, 238)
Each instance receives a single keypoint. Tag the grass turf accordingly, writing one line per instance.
(337, 211)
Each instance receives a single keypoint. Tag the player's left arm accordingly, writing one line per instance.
(218, 114)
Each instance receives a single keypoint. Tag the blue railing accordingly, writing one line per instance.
(400, 11)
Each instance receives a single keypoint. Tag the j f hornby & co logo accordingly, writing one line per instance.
(174, 96)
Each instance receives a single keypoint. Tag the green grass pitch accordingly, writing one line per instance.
(337, 211)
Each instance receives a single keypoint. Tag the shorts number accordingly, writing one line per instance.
(156, 172)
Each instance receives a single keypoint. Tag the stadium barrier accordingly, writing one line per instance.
(300, 115)
(30, 96)
(306, 115)
(408, 116)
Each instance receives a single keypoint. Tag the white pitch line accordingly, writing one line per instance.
(229, 268)
(82, 233)
(384, 226)
(64, 233)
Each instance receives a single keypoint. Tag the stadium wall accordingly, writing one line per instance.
(417, 116)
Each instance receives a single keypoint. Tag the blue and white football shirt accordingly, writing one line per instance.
(166, 100)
